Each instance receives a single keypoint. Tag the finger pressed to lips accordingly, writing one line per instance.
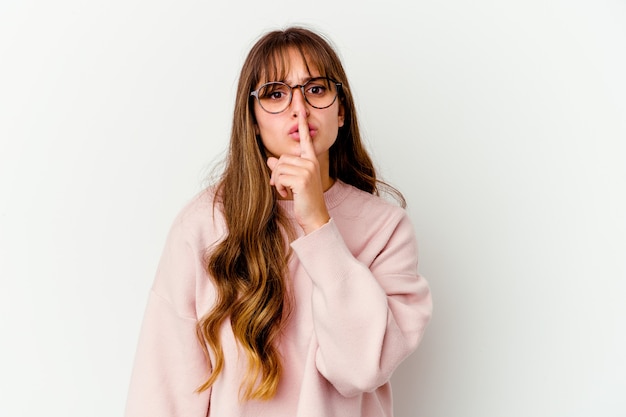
(306, 144)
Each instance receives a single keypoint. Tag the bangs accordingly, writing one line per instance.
(275, 64)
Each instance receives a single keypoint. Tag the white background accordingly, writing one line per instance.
(504, 123)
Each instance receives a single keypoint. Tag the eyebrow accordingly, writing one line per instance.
(304, 80)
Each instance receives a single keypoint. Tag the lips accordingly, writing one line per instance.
(294, 133)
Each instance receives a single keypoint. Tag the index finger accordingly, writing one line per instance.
(307, 150)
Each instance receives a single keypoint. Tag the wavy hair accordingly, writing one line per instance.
(249, 265)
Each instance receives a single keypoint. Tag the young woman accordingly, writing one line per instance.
(289, 288)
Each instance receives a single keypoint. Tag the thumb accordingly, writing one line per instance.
(271, 162)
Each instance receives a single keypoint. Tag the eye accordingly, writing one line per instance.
(275, 95)
(274, 92)
(316, 88)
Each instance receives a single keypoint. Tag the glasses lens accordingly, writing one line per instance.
(274, 97)
(320, 92)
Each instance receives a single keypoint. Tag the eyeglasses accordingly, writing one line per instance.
(275, 97)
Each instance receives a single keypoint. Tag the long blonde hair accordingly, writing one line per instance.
(249, 266)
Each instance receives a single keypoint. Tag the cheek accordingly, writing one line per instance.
(265, 131)
(263, 121)
(272, 145)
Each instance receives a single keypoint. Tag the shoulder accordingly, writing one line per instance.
(371, 225)
(200, 220)
(366, 219)
(197, 227)
(356, 203)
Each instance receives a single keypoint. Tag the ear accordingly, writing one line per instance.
(256, 129)
(342, 114)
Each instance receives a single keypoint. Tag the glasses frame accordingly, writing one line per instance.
(255, 93)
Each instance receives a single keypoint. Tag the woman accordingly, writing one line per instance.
(289, 288)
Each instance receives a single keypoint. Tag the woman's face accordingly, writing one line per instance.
(279, 132)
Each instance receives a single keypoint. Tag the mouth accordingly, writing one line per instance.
(294, 132)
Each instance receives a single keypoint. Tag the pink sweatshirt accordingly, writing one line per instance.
(360, 309)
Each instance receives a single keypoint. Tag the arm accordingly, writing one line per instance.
(170, 364)
(367, 319)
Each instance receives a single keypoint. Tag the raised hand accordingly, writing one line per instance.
(299, 177)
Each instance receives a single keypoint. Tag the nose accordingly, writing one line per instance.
(298, 102)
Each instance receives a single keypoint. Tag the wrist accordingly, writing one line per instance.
(315, 225)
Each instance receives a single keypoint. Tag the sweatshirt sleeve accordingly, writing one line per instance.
(367, 318)
(169, 363)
